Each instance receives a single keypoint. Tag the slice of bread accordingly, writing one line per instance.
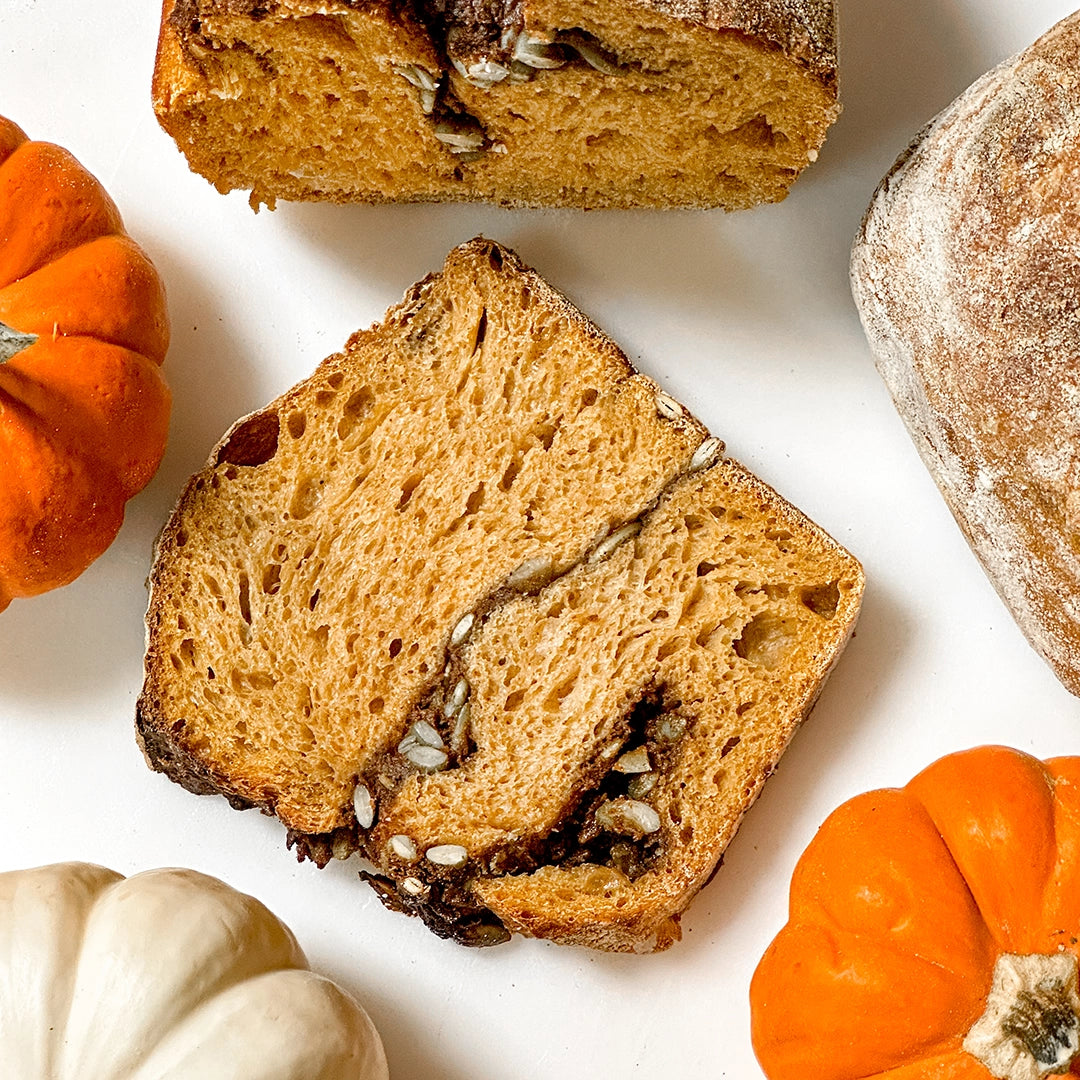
(589, 103)
(481, 602)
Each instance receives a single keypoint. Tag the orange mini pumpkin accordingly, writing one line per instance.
(84, 410)
(934, 931)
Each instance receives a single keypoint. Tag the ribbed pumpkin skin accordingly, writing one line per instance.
(84, 410)
(901, 905)
(166, 975)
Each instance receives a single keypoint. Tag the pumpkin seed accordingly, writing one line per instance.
(363, 806)
(531, 574)
(457, 698)
(641, 785)
(671, 728)
(427, 758)
(459, 737)
(590, 50)
(610, 543)
(403, 847)
(447, 855)
(536, 52)
(667, 407)
(707, 454)
(419, 76)
(460, 135)
(462, 630)
(414, 886)
(482, 73)
(628, 817)
(342, 847)
(634, 761)
(426, 735)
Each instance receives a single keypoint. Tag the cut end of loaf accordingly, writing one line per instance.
(480, 602)
(589, 104)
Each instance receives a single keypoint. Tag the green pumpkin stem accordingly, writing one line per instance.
(12, 342)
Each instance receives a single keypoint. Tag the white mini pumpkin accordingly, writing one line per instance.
(166, 975)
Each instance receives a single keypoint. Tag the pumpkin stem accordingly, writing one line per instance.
(1031, 1026)
(12, 342)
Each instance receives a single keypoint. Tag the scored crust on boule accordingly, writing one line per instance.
(587, 103)
(480, 602)
(967, 276)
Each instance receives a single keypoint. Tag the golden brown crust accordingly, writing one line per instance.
(968, 281)
(804, 30)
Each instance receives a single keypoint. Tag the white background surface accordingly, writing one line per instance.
(747, 318)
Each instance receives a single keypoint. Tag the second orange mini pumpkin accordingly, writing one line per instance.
(84, 410)
(934, 931)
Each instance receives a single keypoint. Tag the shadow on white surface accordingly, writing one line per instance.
(75, 645)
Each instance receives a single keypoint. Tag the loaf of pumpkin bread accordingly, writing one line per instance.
(481, 602)
(588, 103)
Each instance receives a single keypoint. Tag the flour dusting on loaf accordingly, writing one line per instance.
(967, 276)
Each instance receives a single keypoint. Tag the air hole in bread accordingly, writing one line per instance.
(187, 651)
(669, 648)
(475, 500)
(271, 579)
(356, 408)
(244, 596)
(509, 382)
(253, 442)
(296, 424)
(306, 498)
(323, 398)
(562, 691)
(766, 640)
(407, 489)
(395, 647)
(481, 331)
(510, 475)
(822, 600)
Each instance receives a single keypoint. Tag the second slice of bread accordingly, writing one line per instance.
(586, 103)
(481, 602)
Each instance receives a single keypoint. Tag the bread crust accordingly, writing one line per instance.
(966, 275)
(804, 30)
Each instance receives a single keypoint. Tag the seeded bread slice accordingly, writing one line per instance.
(481, 602)
(589, 103)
